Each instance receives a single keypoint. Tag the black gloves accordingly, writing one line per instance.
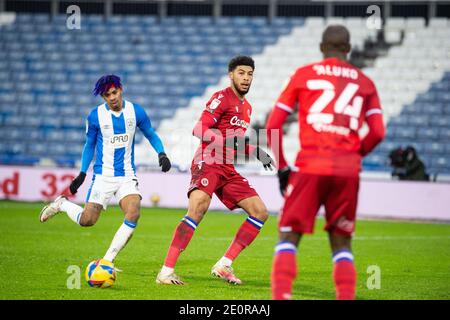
(77, 182)
(264, 157)
(283, 178)
(164, 162)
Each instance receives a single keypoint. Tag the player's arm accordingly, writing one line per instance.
(87, 155)
(282, 109)
(374, 120)
(203, 129)
(144, 124)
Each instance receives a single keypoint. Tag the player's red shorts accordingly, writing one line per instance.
(223, 180)
(307, 192)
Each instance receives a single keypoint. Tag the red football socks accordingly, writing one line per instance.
(344, 275)
(182, 236)
(284, 270)
(248, 231)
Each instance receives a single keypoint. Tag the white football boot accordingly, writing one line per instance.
(226, 273)
(52, 209)
(171, 278)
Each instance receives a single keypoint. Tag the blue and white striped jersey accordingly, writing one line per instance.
(111, 134)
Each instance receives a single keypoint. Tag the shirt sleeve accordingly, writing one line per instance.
(289, 95)
(209, 117)
(144, 124)
(374, 119)
(372, 103)
(91, 139)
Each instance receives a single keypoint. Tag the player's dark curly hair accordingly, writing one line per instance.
(104, 83)
(241, 61)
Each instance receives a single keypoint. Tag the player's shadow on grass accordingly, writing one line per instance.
(302, 292)
(246, 284)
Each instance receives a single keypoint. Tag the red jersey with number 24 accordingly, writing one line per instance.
(334, 98)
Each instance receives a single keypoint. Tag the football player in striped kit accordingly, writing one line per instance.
(110, 132)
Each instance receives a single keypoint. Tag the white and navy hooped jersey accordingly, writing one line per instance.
(113, 134)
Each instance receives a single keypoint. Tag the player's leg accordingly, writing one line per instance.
(297, 217)
(84, 217)
(238, 193)
(340, 213)
(130, 205)
(199, 202)
(205, 180)
(344, 272)
(97, 198)
(284, 266)
(249, 230)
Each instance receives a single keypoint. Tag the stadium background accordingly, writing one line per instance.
(172, 55)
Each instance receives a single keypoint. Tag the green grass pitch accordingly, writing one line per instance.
(414, 258)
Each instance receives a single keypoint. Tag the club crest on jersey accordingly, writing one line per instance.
(204, 182)
(130, 123)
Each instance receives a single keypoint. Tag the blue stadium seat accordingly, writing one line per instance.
(77, 136)
(37, 149)
(41, 19)
(444, 134)
(374, 161)
(440, 162)
(12, 120)
(7, 98)
(15, 147)
(417, 120)
(440, 121)
(436, 148)
(23, 18)
(405, 132)
(387, 145)
(428, 134)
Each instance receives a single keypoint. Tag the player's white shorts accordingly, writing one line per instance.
(103, 188)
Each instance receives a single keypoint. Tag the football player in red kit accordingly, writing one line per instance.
(334, 100)
(221, 129)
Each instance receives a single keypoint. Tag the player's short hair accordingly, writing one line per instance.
(241, 61)
(105, 83)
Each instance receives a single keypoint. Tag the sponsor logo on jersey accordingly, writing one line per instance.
(119, 140)
(235, 121)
